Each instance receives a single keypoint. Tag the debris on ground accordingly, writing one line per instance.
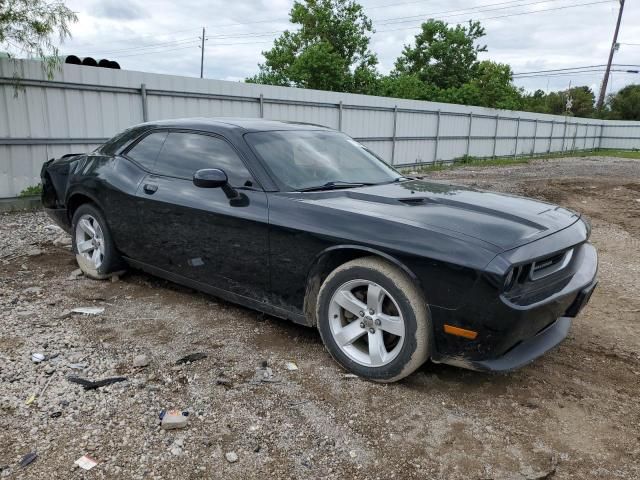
(172, 419)
(141, 361)
(192, 357)
(349, 375)
(34, 252)
(37, 357)
(90, 385)
(290, 366)
(76, 274)
(28, 459)
(232, 457)
(86, 462)
(88, 310)
(264, 374)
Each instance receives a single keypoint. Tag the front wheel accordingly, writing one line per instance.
(374, 320)
(92, 244)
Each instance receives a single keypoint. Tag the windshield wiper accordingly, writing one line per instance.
(333, 186)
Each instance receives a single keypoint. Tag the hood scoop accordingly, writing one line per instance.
(414, 201)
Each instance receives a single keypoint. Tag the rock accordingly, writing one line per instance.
(176, 450)
(232, 457)
(37, 357)
(140, 361)
(77, 273)
(34, 252)
(35, 290)
(62, 241)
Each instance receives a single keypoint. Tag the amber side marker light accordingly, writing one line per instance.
(460, 332)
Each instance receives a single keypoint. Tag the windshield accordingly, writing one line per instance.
(307, 159)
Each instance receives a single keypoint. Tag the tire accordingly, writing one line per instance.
(400, 322)
(106, 262)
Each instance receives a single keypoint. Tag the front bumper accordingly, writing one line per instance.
(512, 335)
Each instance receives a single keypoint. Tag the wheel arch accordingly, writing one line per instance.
(331, 258)
(79, 198)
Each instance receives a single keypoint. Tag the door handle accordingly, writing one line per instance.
(150, 188)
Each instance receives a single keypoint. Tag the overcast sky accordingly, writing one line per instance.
(162, 35)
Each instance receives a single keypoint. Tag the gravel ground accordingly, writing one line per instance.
(572, 414)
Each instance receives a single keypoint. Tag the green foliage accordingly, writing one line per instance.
(330, 51)
(34, 26)
(582, 102)
(492, 86)
(625, 104)
(32, 190)
(443, 56)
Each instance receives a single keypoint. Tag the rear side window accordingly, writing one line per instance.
(112, 145)
(145, 152)
(185, 153)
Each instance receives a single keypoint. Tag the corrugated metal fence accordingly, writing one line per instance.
(83, 106)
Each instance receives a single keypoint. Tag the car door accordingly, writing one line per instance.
(200, 233)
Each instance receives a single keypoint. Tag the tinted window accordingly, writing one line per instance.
(113, 145)
(145, 152)
(185, 153)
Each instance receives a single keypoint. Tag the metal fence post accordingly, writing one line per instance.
(340, 116)
(515, 152)
(600, 139)
(584, 140)
(535, 138)
(395, 126)
(143, 96)
(495, 136)
(435, 153)
(564, 133)
(553, 127)
(575, 134)
(261, 105)
(469, 132)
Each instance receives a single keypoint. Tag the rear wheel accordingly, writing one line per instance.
(373, 319)
(92, 244)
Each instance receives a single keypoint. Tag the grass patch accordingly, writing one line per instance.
(468, 161)
(32, 190)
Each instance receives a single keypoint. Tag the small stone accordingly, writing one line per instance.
(352, 454)
(176, 450)
(35, 290)
(231, 457)
(141, 361)
(77, 273)
(34, 252)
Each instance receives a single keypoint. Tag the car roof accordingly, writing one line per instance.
(217, 124)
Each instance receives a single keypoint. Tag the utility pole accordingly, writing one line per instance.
(202, 54)
(603, 89)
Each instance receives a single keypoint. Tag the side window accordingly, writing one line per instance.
(185, 153)
(145, 152)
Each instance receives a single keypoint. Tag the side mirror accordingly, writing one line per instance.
(210, 178)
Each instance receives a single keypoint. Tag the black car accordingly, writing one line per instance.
(302, 222)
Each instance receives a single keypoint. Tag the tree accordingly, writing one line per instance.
(330, 51)
(557, 103)
(491, 86)
(625, 104)
(32, 26)
(443, 56)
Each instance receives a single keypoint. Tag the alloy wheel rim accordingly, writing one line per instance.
(90, 240)
(366, 323)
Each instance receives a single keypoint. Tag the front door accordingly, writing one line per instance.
(200, 233)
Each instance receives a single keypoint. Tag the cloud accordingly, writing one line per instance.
(118, 10)
(162, 35)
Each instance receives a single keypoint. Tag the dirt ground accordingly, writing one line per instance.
(574, 413)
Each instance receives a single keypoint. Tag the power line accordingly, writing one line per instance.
(464, 11)
(574, 68)
(509, 15)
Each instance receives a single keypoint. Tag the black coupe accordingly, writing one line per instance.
(304, 223)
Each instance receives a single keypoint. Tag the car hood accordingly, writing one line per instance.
(504, 221)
